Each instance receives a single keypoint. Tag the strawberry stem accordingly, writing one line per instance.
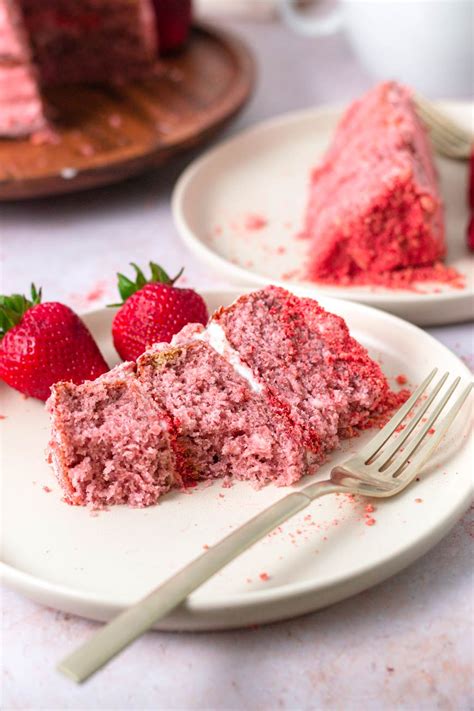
(127, 287)
(14, 307)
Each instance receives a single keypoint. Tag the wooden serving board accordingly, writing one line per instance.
(108, 133)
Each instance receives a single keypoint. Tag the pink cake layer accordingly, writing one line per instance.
(111, 443)
(313, 371)
(21, 108)
(225, 429)
(262, 394)
(374, 204)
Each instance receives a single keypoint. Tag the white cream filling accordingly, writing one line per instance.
(214, 335)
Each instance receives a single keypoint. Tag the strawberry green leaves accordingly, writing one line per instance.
(14, 307)
(127, 287)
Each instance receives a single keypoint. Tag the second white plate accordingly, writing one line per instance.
(263, 174)
(94, 565)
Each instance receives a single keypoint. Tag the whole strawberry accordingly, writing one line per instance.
(41, 344)
(152, 311)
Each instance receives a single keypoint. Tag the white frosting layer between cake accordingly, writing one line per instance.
(214, 335)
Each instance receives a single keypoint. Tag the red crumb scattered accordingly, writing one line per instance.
(3, 417)
(222, 496)
(97, 292)
(418, 501)
(255, 222)
(401, 379)
(370, 522)
(264, 576)
(290, 275)
(46, 136)
(281, 250)
(408, 278)
(47, 489)
(400, 428)
(369, 508)
(87, 150)
(206, 547)
(115, 120)
(431, 431)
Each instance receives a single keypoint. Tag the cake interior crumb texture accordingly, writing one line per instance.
(262, 394)
(374, 203)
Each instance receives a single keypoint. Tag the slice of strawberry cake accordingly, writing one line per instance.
(111, 442)
(263, 393)
(374, 204)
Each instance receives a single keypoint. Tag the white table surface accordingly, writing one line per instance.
(406, 644)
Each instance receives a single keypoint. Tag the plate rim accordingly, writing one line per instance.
(26, 582)
(242, 275)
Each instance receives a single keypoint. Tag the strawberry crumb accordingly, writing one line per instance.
(206, 547)
(97, 292)
(370, 522)
(264, 576)
(431, 431)
(370, 508)
(401, 379)
(255, 222)
(3, 417)
(47, 489)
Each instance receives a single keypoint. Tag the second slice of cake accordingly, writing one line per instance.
(374, 204)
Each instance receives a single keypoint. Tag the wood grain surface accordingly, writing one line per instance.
(108, 133)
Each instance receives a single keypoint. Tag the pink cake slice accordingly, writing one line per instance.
(21, 107)
(313, 371)
(225, 429)
(262, 393)
(374, 204)
(111, 443)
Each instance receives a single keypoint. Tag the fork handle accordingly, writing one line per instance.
(133, 622)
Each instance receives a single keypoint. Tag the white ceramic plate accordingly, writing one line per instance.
(265, 172)
(93, 565)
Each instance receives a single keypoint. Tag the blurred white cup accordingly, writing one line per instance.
(427, 44)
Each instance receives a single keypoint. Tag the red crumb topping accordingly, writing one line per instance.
(370, 522)
(3, 417)
(369, 508)
(264, 576)
(401, 379)
(255, 222)
(47, 489)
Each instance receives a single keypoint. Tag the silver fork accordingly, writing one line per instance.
(448, 137)
(375, 471)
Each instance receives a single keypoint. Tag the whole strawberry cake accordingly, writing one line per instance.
(262, 393)
(374, 209)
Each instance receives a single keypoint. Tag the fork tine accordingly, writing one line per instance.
(416, 441)
(442, 121)
(389, 452)
(449, 148)
(372, 448)
(426, 451)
